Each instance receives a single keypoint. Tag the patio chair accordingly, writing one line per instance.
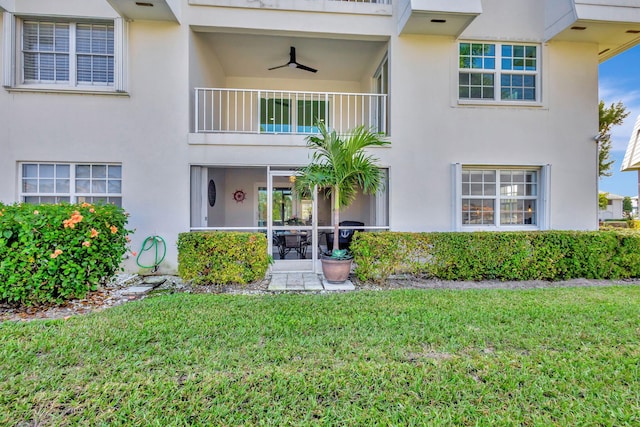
(293, 241)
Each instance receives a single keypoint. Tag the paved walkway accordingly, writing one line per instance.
(305, 282)
(279, 282)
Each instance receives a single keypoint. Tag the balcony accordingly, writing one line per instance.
(437, 17)
(156, 10)
(614, 25)
(271, 112)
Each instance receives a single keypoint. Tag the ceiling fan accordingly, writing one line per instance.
(293, 64)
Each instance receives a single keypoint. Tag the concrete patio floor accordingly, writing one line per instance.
(305, 282)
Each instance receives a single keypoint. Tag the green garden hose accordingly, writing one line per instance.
(149, 243)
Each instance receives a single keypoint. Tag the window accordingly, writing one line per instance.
(94, 47)
(71, 183)
(46, 53)
(309, 113)
(498, 72)
(381, 86)
(500, 197)
(54, 52)
(275, 116)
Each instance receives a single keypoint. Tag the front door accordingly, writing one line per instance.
(291, 224)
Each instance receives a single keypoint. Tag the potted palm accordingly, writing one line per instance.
(341, 166)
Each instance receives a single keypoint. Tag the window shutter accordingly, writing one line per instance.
(545, 199)
(8, 49)
(120, 54)
(456, 191)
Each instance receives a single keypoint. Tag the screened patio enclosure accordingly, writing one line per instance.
(262, 199)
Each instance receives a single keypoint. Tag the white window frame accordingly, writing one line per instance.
(497, 73)
(13, 78)
(543, 213)
(73, 195)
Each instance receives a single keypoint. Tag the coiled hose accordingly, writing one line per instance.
(152, 242)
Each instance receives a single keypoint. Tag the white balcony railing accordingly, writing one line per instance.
(283, 112)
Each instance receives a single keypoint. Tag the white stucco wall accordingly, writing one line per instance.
(148, 130)
(145, 131)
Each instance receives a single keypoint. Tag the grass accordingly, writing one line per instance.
(493, 357)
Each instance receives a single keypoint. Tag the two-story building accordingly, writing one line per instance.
(192, 114)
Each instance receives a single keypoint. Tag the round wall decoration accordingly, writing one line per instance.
(239, 196)
(211, 192)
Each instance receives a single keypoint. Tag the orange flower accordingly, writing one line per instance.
(113, 229)
(92, 210)
(94, 233)
(86, 243)
(36, 212)
(71, 222)
(56, 253)
(134, 253)
(85, 205)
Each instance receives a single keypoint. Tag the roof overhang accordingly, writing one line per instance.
(147, 10)
(7, 5)
(631, 159)
(614, 25)
(437, 17)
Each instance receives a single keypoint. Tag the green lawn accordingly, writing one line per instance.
(540, 357)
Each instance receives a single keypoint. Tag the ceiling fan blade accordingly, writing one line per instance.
(304, 67)
(292, 55)
(279, 66)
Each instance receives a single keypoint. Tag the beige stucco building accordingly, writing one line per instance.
(192, 114)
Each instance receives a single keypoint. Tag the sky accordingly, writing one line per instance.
(619, 80)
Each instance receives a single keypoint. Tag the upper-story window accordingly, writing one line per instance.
(67, 52)
(64, 54)
(498, 72)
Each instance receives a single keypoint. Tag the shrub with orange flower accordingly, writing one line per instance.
(67, 246)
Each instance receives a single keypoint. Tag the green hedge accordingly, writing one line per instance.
(220, 257)
(547, 255)
(49, 253)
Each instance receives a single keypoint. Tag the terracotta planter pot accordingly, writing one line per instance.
(336, 270)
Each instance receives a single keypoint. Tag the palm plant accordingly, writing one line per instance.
(342, 167)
